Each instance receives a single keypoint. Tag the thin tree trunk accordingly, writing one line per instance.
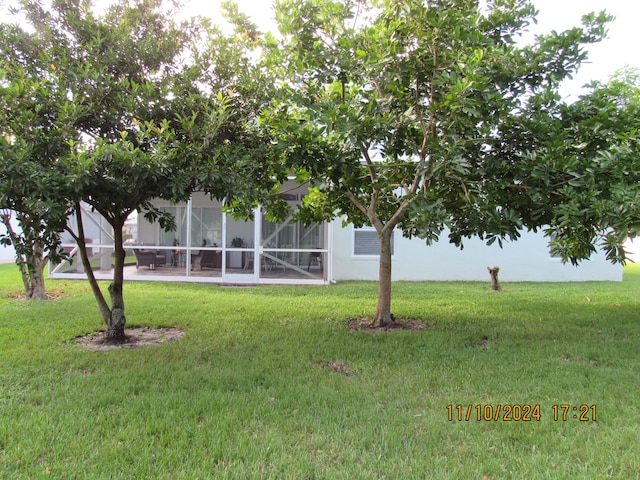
(105, 311)
(20, 259)
(117, 320)
(24, 273)
(30, 262)
(383, 317)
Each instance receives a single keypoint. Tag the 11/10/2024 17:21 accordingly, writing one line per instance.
(519, 412)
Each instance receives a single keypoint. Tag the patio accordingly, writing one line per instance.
(209, 246)
(272, 269)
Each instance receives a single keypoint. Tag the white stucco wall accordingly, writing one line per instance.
(527, 259)
(632, 246)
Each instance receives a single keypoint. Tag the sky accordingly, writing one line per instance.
(617, 51)
(606, 57)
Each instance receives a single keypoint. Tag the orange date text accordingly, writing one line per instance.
(494, 413)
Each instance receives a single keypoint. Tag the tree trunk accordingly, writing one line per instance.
(383, 317)
(36, 276)
(24, 272)
(36, 263)
(113, 317)
(29, 257)
(117, 320)
(84, 256)
(32, 269)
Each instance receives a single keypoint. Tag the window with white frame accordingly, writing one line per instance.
(366, 242)
(206, 226)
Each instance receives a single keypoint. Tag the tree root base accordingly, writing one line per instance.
(134, 337)
(398, 324)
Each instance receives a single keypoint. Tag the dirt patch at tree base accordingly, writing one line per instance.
(50, 295)
(399, 324)
(134, 337)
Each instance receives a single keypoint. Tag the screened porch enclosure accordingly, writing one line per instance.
(209, 246)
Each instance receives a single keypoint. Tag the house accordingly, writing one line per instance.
(209, 246)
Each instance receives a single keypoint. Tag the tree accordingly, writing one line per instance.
(35, 124)
(163, 109)
(400, 113)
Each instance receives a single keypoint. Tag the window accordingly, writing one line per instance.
(171, 236)
(206, 226)
(365, 242)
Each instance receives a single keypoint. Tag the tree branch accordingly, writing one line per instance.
(374, 178)
(82, 246)
(359, 205)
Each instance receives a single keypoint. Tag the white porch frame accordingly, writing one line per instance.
(248, 274)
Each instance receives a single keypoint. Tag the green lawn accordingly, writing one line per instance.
(246, 393)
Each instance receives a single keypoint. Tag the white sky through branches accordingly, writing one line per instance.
(614, 53)
(617, 51)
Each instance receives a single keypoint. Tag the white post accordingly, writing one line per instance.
(257, 247)
(224, 242)
(328, 268)
(187, 250)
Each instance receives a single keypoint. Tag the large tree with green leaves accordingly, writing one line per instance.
(161, 108)
(403, 114)
(36, 122)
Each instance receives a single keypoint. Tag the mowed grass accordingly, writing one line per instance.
(250, 390)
